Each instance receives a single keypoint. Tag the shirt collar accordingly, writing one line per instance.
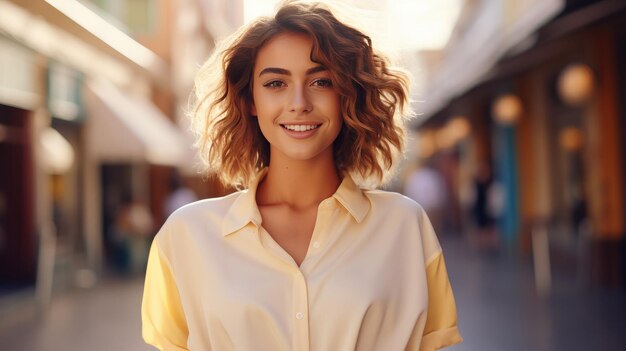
(245, 210)
(352, 198)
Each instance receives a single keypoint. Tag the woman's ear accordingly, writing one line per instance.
(252, 109)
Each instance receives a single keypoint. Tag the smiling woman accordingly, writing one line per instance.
(343, 56)
(294, 108)
(294, 100)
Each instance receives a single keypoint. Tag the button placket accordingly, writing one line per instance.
(300, 310)
(319, 233)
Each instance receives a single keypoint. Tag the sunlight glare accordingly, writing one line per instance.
(407, 25)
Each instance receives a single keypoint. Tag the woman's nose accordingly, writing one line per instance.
(300, 102)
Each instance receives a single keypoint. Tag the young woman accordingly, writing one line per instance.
(296, 108)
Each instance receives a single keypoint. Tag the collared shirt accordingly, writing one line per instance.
(373, 278)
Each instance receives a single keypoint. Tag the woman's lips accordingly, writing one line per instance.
(300, 131)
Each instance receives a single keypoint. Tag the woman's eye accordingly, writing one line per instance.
(274, 84)
(323, 82)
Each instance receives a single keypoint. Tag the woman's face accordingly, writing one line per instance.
(294, 99)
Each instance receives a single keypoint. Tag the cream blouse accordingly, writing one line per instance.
(373, 278)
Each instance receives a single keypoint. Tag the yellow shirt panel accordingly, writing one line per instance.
(164, 324)
(373, 279)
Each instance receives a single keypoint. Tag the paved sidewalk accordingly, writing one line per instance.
(500, 310)
(497, 304)
(101, 319)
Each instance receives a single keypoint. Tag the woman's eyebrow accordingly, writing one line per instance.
(316, 69)
(283, 71)
(274, 70)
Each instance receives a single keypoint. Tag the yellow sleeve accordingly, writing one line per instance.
(163, 320)
(441, 321)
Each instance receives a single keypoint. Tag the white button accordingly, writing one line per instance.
(316, 244)
(299, 315)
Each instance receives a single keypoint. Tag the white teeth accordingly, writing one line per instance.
(300, 127)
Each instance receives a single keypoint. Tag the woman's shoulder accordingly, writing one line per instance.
(398, 208)
(392, 200)
(194, 222)
(211, 209)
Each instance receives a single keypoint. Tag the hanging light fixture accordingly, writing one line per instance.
(507, 109)
(444, 139)
(427, 144)
(576, 84)
(459, 128)
(571, 139)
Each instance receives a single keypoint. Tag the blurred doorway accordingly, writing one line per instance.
(128, 224)
(17, 207)
(567, 128)
(116, 190)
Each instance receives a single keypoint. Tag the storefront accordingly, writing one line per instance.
(549, 121)
(18, 100)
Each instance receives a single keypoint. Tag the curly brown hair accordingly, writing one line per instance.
(373, 97)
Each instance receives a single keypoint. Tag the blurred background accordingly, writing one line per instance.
(517, 153)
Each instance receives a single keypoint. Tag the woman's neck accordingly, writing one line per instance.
(298, 184)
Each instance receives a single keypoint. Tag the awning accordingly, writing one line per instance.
(81, 39)
(57, 152)
(124, 128)
(490, 36)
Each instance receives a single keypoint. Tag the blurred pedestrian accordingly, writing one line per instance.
(425, 185)
(133, 227)
(487, 204)
(179, 195)
(297, 107)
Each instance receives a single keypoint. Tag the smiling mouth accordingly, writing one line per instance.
(300, 127)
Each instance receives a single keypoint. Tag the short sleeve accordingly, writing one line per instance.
(441, 328)
(163, 320)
